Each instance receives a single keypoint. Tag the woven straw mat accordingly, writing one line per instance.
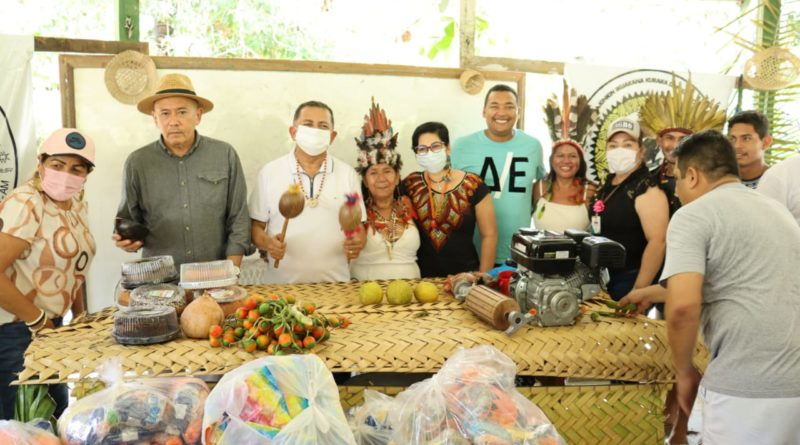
(384, 338)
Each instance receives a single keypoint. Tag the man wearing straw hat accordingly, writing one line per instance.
(188, 190)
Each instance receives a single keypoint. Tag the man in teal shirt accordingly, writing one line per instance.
(508, 160)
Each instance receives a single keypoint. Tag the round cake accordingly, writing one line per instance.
(122, 296)
(159, 295)
(152, 270)
(145, 325)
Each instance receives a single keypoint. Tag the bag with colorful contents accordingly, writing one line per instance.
(472, 399)
(275, 401)
(18, 433)
(370, 421)
(153, 411)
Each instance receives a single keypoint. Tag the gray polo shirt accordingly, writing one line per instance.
(195, 206)
(747, 247)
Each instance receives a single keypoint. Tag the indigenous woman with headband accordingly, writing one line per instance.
(392, 237)
(46, 253)
(448, 204)
(631, 209)
(561, 199)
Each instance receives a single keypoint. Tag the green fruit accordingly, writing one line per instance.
(370, 293)
(426, 292)
(398, 292)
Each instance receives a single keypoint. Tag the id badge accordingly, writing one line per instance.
(595, 224)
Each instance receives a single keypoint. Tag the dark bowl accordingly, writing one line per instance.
(130, 230)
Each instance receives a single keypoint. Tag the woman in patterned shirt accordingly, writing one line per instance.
(47, 250)
(448, 203)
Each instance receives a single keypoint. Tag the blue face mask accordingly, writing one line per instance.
(433, 162)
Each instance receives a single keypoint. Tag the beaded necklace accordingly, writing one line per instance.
(431, 203)
(312, 201)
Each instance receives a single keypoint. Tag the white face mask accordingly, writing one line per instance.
(621, 160)
(433, 162)
(313, 141)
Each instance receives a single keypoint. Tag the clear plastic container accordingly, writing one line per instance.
(164, 294)
(152, 270)
(208, 275)
(229, 298)
(122, 296)
(145, 325)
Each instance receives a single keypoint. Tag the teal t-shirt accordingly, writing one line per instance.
(509, 169)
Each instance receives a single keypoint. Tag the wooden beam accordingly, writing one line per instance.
(128, 23)
(509, 64)
(64, 45)
(466, 31)
(69, 62)
(66, 81)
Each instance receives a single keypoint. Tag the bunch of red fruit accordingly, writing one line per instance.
(275, 324)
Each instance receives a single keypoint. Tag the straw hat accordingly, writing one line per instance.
(172, 85)
(130, 76)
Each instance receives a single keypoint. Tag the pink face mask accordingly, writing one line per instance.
(61, 186)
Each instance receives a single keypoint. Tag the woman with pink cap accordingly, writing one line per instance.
(47, 250)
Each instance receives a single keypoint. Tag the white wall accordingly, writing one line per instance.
(253, 110)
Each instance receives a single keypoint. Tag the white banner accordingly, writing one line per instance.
(17, 132)
(617, 92)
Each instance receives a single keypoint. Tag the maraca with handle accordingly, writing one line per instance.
(350, 216)
(290, 205)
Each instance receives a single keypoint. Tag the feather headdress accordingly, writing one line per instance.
(569, 122)
(680, 109)
(377, 143)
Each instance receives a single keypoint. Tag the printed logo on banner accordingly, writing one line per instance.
(8, 157)
(621, 96)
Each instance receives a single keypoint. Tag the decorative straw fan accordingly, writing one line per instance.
(130, 76)
(772, 69)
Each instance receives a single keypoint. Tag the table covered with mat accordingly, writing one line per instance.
(418, 338)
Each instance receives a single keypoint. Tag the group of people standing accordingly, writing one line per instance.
(457, 214)
(188, 192)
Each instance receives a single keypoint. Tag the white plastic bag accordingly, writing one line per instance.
(277, 400)
(18, 433)
(370, 422)
(155, 411)
(472, 400)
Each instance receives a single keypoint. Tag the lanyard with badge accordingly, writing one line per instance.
(599, 207)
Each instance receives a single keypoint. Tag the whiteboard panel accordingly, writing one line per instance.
(253, 110)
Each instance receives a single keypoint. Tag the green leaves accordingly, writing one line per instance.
(447, 39)
(34, 402)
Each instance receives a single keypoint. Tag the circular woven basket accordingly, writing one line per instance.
(772, 69)
(130, 76)
(472, 81)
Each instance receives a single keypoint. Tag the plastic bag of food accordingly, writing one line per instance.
(276, 400)
(370, 421)
(13, 432)
(155, 411)
(471, 400)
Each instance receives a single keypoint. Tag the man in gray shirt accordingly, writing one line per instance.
(732, 266)
(188, 190)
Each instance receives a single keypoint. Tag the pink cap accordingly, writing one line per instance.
(69, 141)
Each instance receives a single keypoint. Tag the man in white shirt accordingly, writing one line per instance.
(782, 182)
(315, 249)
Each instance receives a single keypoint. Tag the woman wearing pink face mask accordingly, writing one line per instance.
(45, 255)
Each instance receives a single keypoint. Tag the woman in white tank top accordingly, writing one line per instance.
(561, 198)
